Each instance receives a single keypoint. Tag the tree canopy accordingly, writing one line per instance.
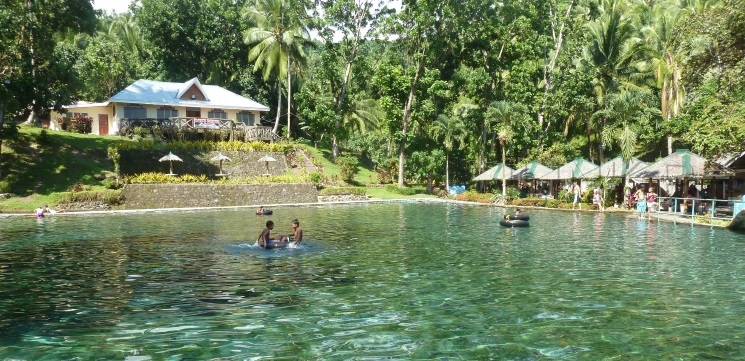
(430, 90)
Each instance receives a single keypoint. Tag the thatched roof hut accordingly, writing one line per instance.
(573, 169)
(496, 173)
(683, 164)
(616, 168)
(532, 170)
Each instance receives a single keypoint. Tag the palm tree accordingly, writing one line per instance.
(452, 128)
(665, 60)
(503, 113)
(279, 38)
(126, 31)
(626, 107)
(610, 56)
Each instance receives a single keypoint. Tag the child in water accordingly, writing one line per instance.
(265, 239)
(297, 236)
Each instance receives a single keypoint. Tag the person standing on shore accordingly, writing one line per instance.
(651, 202)
(576, 191)
(641, 202)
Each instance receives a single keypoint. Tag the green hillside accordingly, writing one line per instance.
(42, 167)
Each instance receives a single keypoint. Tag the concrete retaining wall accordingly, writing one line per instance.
(148, 196)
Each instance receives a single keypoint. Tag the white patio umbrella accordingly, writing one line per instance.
(221, 157)
(267, 158)
(170, 157)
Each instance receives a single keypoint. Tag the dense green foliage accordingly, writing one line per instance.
(426, 92)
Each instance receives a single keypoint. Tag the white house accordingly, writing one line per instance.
(157, 100)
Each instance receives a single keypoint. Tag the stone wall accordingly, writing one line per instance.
(242, 164)
(187, 195)
(343, 198)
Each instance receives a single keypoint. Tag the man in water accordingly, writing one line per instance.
(265, 240)
(297, 236)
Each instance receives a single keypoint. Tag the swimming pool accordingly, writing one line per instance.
(396, 280)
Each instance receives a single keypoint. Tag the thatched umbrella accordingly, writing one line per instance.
(220, 157)
(170, 158)
(267, 158)
(574, 169)
(531, 171)
(616, 168)
(498, 172)
(683, 164)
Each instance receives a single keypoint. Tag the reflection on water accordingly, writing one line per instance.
(401, 280)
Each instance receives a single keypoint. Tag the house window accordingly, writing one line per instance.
(135, 112)
(72, 115)
(246, 118)
(217, 114)
(167, 112)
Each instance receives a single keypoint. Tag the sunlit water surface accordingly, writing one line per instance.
(396, 281)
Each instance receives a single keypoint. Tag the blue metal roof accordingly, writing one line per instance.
(165, 93)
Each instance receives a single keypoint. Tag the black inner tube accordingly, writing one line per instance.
(520, 217)
(513, 223)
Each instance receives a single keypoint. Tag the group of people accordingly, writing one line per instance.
(597, 197)
(44, 209)
(266, 240)
(646, 202)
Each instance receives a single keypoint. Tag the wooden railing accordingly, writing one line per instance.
(251, 132)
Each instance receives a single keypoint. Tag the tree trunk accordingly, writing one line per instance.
(447, 171)
(549, 71)
(406, 118)
(279, 106)
(345, 81)
(2, 124)
(504, 172)
(289, 96)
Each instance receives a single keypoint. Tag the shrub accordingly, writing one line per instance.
(78, 187)
(565, 196)
(552, 203)
(316, 178)
(110, 184)
(5, 187)
(111, 197)
(357, 191)
(474, 196)
(405, 191)
(347, 167)
(81, 124)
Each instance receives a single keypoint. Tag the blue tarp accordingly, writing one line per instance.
(455, 190)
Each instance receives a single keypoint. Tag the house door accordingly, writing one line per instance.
(193, 113)
(103, 124)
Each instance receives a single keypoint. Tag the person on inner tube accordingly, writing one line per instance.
(265, 238)
(260, 210)
(517, 213)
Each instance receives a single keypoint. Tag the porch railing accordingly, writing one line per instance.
(251, 132)
(692, 209)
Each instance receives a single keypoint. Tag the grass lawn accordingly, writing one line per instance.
(365, 174)
(383, 193)
(41, 165)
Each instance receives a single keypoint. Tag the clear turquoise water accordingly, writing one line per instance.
(394, 281)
